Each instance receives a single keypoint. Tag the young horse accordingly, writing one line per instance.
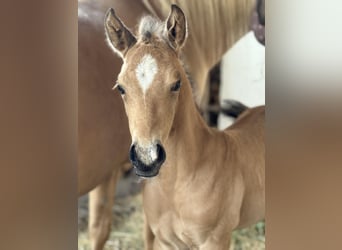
(103, 129)
(206, 182)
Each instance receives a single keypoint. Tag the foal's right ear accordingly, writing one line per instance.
(118, 35)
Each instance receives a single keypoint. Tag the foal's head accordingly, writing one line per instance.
(149, 82)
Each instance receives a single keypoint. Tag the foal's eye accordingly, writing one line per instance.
(176, 86)
(121, 89)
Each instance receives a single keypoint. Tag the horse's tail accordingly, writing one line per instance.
(233, 108)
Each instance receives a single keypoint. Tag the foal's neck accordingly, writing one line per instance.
(189, 134)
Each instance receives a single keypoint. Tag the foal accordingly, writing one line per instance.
(206, 182)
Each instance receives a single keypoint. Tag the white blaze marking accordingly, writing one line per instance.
(145, 71)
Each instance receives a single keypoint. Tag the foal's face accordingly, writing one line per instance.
(149, 83)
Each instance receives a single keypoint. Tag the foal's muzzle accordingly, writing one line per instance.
(147, 170)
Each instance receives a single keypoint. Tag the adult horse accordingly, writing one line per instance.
(206, 182)
(103, 129)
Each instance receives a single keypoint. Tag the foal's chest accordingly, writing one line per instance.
(176, 220)
(183, 233)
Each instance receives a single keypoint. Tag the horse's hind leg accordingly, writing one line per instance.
(100, 210)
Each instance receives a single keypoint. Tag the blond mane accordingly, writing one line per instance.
(203, 17)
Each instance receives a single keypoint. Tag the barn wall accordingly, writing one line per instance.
(243, 75)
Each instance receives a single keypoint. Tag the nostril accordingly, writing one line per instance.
(161, 154)
(132, 154)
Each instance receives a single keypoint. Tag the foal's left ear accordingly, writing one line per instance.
(176, 28)
(118, 35)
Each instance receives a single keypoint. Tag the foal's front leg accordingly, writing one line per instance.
(149, 236)
(217, 244)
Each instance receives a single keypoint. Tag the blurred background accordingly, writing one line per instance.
(39, 149)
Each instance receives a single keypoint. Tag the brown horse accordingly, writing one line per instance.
(214, 26)
(206, 182)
